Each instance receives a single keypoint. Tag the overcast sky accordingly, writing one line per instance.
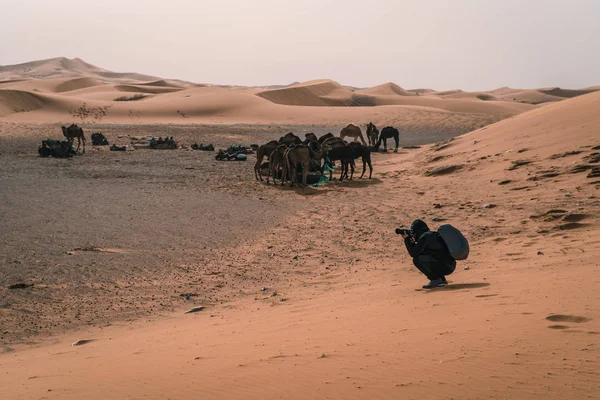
(440, 44)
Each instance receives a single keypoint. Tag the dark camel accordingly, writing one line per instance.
(263, 151)
(339, 150)
(372, 133)
(325, 137)
(310, 137)
(73, 132)
(387, 133)
(289, 139)
(364, 153)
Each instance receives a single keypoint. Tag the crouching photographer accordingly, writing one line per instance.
(429, 252)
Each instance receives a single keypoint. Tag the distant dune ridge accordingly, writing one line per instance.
(49, 90)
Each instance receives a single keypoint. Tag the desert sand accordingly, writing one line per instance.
(307, 292)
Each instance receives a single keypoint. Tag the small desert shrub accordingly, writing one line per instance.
(138, 96)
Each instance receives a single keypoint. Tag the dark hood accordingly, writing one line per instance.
(419, 227)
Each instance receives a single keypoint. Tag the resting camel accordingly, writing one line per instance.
(276, 162)
(372, 133)
(387, 133)
(353, 131)
(73, 132)
(263, 151)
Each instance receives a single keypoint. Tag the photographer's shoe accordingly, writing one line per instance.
(435, 283)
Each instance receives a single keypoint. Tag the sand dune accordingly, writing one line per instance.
(64, 67)
(529, 96)
(386, 89)
(15, 101)
(76, 84)
(313, 93)
(329, 93)
(555, 128)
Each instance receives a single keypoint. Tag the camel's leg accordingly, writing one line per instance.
(269, 172)
(259, 158)
(294, 174)
(83, 137)
(284, 170)
(364, 167)
(362, 139)
(305, 167)
(370, 167)
(351, 169)
(397, 139)
(344, 170)
(385, 145)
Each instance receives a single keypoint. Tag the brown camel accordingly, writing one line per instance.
(73, 132)
(352, 131)
(263, 151)
(300, 155)
(276, 162)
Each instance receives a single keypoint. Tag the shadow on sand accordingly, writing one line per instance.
(457, 286)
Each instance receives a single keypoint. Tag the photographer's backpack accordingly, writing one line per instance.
(457, 244)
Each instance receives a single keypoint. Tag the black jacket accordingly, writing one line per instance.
(429, 243)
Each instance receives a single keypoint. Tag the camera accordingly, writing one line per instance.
(403, 231)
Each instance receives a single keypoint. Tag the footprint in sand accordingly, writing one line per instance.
(559, 327)
(567, 318)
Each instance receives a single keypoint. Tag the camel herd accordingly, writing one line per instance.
(313, 154)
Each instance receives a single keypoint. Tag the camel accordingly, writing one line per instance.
(339, 150)
(73, 132)
(365, 153)
(353, 131)
(387, 133)
(302, 155)
(325, 137)
(290, 139)
(55, 148)
(276, 162)
(310, 137)
(263, 151)
(372, 133)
